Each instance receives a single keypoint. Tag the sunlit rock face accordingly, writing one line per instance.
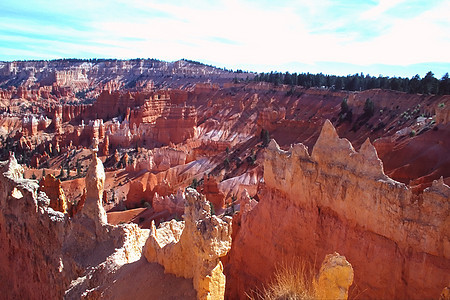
(191, 248)
(338, 199)
(31, 237)
(95, 181)
(47, 254)
(335, 277)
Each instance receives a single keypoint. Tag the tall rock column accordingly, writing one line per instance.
(95, 180)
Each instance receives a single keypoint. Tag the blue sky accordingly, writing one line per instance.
(389, 37)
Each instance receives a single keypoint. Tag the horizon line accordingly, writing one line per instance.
(246, 70)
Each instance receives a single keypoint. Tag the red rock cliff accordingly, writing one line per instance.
(338, 199)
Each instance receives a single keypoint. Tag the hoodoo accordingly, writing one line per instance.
(145, 179)
(192, 248)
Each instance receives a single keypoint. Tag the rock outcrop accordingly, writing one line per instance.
(338, 199)
(46, 254)
(445, 295)
(191, 248)
(443, 111)
(174, 204)
(95, 181)
(211, 190)
(335, 278)
(52, 188)
(136, 195)
(31, 239)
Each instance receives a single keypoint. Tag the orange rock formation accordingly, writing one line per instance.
(192, 248)
(337, 199)
(52, 187)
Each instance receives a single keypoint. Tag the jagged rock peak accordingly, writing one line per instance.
(439, 187)
(273, 146)
(300, 150)
(370, 162)
(368, 150)
(329, 145)
(328, 130)
(12, 168)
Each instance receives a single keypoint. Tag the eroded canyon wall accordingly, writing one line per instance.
(45, 254)
(338, 199)
(31, 239)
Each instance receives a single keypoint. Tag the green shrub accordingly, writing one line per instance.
(369, 107)
(344, 106)
(213, 212)
(194, 183)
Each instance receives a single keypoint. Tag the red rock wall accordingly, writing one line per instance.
(338, 199)
(31, 238)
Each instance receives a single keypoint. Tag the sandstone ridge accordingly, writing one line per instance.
(338, 199)
(48, 254)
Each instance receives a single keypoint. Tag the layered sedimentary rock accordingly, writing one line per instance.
(46, 254)
(338, 199)
(174, 204)
(418, 159)
(191, 248)
(31, 125)
(89, 76)
(211, 190)
(135, 195)
(31, 237)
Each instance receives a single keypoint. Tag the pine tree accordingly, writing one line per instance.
(369, 107)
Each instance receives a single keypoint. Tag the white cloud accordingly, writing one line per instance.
(275, 34)
(383, 6)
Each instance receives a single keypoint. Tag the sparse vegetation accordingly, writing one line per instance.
(213, 211)
(344, 106)
(226, 162)
(265, 137)
(292, 281)
(251, 159)
(194, 183)
(369, 107)
(346, 113)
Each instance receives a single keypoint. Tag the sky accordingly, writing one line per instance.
(387, 37)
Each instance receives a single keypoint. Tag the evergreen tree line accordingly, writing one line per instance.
(358, 82)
